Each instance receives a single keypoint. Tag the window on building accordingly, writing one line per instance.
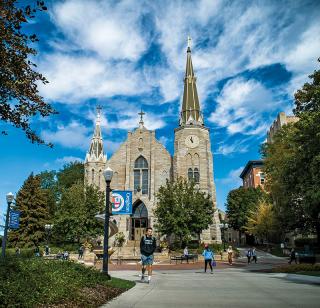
(92, 176)
(140, 172)
(190, 174)
(196, 175)
(262, 178)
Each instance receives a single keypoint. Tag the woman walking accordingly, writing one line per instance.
(230, 253)
(208, 258)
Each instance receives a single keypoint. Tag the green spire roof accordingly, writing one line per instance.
(190, 114)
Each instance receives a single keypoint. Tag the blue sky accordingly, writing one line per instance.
(249, 58)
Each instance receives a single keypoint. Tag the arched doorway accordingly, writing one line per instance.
(139, 220)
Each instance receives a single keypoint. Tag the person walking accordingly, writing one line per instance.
(230, 253)
(254, 255)
(208, 258)
(37, 251)
(47, 250)
(293, 256)
(186, 252)
(80, 252)
(147, 247)
(249, 255)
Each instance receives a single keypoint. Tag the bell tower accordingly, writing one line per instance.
(96, 159)
(192, 157)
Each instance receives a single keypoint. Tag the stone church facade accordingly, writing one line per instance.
(142, 164)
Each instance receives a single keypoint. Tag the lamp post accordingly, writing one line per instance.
(10, 198)
(224, 226)
(107, 173)
(48, 228)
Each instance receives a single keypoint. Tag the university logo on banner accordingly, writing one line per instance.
(121, 202)
(14, 219)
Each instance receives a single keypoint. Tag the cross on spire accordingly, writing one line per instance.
(141, 113)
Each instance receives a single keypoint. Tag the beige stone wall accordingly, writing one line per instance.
(98, 179)
(200, 157)
(139, 142)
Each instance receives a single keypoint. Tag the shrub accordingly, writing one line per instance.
(301, 242)
(33, 282)
(296, 268)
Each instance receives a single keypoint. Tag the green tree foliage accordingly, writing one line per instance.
(240, 202)
(19, 95)
(31, 202)
(307, 99)
(261, 221)
(182, 210)
(70, 174)
(292, 164)
(48, 180)
(75, 216)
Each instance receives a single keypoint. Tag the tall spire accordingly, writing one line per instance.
(96, 152)
(190, 113)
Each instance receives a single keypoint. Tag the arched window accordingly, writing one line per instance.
(92, 176)
(141, 175)
(190, 174)
(196, 175)
(99, 183)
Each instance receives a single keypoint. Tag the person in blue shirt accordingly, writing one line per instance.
(208, 257)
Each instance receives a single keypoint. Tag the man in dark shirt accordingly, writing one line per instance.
(147, 248)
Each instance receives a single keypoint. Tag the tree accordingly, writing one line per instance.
(292, 164)
(307, 99)
(261, 221)
(19, 95)
(70, 174)
(75, 216)
(182, 210)
(240, 202)
(31, 202)
(48, 180)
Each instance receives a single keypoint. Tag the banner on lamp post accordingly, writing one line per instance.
(121, 202)
(14, 219)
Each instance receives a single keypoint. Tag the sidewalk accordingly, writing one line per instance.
(233, 287)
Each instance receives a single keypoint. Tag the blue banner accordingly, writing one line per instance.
(14, 219)
(121, 202)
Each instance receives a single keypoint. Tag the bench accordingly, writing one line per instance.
(182, 258)
(121, 259)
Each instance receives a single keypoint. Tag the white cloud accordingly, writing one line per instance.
(68, 159)
(236, 147)
(232, 179)
(112, 30)
(73, 135)
(240, 107)
(164, 140)
(73, 79)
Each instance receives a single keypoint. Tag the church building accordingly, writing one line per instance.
(142, 164)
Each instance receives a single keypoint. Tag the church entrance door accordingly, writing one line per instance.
(139, 221)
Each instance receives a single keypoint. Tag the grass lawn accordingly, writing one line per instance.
(35, 282)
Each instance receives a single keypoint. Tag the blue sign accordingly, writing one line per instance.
(14, 219)
(121, 202)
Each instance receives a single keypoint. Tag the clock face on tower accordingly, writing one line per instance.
(192, 141)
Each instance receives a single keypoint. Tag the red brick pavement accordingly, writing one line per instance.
(166, 266)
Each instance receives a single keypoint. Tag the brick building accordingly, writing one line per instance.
(252, 175)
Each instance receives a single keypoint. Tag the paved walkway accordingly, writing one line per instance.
(232, 287)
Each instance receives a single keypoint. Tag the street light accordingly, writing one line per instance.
(10, 198)
(107, 173)
(224, 226)
(48, 228)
